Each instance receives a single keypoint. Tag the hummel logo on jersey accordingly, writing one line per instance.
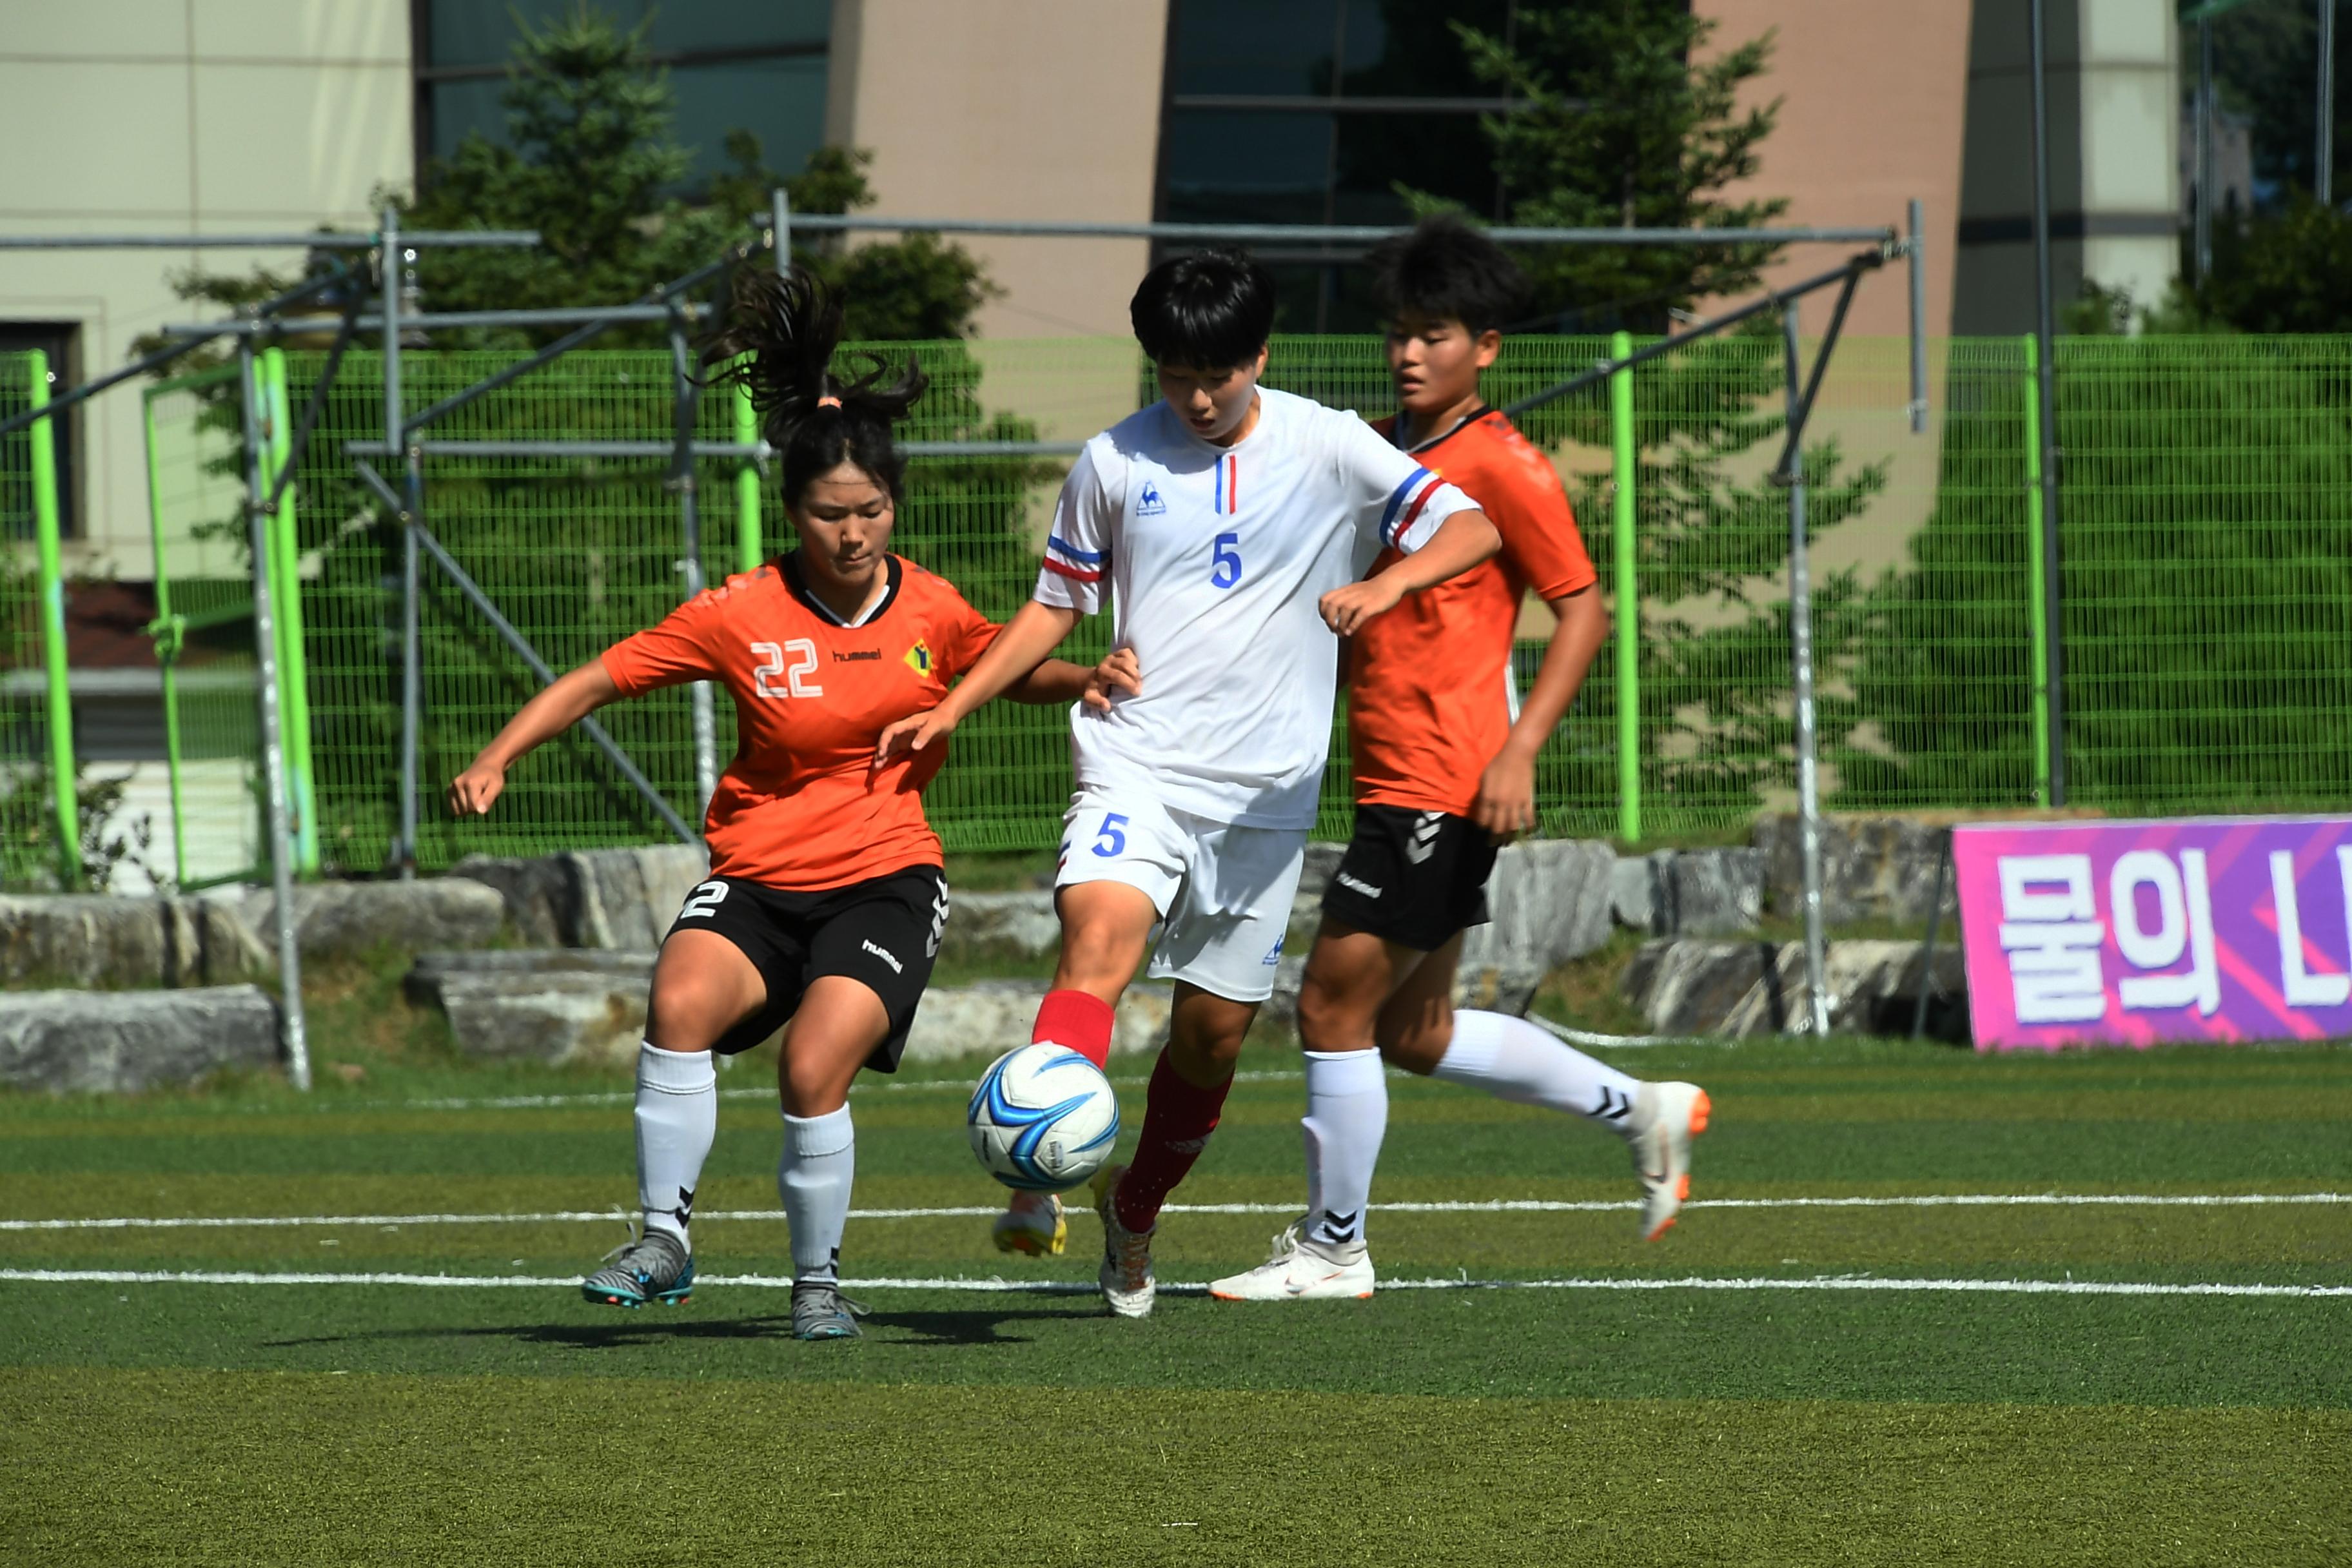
(856, 654)
(1423, 842)
(1357, 884)
(1148, 504)
(886, 956)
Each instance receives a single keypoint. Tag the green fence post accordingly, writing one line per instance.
(166, 630)
(748, 548)
(1629, 604)
(2039, 607)
(44, 435)
(286, 599)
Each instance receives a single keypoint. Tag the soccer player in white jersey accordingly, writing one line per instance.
(1231, 522)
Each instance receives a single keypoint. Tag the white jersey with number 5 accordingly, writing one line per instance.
(1215, 557)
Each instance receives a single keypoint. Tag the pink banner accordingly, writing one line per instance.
(2130, 933)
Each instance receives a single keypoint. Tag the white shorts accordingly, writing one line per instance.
(1224, 892)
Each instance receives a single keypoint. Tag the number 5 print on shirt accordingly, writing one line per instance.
(1228, 557)
(772, 664)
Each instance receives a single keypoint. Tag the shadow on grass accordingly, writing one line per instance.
(979, 1327)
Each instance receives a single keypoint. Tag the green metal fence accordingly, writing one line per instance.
(2206, 514)
(41, 842)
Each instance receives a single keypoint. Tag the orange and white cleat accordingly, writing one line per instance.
(1032, 1224)
(1666, 1117)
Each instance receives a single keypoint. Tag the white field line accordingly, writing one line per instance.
(1078, 1288)
(1489, 1206)
(623, 1097)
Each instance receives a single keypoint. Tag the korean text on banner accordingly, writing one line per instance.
(2130, 933)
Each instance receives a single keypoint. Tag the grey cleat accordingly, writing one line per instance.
(820, 1311)
(653, 1267)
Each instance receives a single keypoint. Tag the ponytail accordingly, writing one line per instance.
(776, 341)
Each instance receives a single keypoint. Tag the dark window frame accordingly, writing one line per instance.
(62, 340)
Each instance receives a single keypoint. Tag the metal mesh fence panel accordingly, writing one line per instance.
(2207, 535)
(204, 572)
(27, 825)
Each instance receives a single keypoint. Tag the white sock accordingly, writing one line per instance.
(1511, 1059)
(678, 1115)
(820, 1158)
(1347, 1115)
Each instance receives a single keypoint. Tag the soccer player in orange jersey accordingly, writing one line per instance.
(826, 897)
(1444, 756)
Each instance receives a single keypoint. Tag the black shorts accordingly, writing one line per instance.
(884, 931)
(1410, 877)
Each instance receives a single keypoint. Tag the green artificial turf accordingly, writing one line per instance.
(1727, 1420)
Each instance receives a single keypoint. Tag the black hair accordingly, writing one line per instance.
(1212, 310)
(777, 340)
(1446, 270)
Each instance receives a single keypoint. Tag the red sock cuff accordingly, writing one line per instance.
(1079, 1020)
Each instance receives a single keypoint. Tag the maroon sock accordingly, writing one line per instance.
(1178, 1118)
(1076, 1020)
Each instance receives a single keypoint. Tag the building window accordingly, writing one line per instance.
(1316, 111)
(61, 341)
(758, 68)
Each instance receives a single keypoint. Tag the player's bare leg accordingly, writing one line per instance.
(1512, 1059)
(838, 1023)
(703, 987)
(1106, 927)
(1189, 1085)
(1350, 974)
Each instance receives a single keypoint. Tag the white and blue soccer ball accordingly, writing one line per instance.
(1043, 1119)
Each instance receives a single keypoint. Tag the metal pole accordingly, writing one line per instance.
(395, 436)
(273, 753)
(1629, 603)
(1800, 639)
(286, 574)
(1334, 233)
(2054, 670)
(749, 547)
(779, 228)
(2037, 608)
(683, 406)
(1918, 266)
(66, 797)
(1934, 929)
(166, 630)
(438, 239)
(2204, 210)
(2323, 163)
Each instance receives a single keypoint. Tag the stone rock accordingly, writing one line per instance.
(1019, 924)
(992, 1016)
(1742, 989)
(65, 1041)
(95, 939)
(1550, 900)
(347, 919)
(1322, 860)
(547, 1006)
(1872, 868)
(627, 898)
(1631, 898)
(623, 899)
(1705, 892)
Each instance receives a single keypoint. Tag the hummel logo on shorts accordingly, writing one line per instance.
(1356, 885)
(886, 956)
(1425, 829)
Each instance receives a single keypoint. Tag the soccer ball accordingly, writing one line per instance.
(1043, 1119)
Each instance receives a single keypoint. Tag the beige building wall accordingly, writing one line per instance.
(175, 117)
(1012, 108)
(1873, 98)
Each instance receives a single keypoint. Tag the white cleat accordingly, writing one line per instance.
(1032, 1224)
(1128, 1287)
(1302, 1269)
(1666, 1117)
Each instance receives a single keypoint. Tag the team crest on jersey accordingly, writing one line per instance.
(1148, 504)
(919, 657)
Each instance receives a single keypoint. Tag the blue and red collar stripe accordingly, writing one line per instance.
(1229, 485)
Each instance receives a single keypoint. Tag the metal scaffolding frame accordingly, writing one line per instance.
(670, 305)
